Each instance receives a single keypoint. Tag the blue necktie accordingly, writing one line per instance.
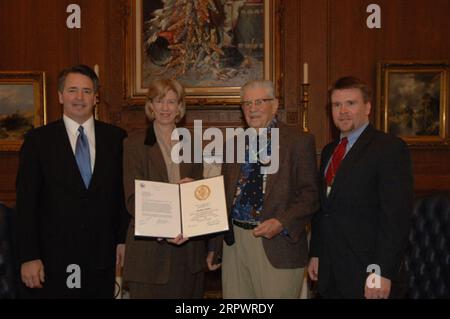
(83, 157)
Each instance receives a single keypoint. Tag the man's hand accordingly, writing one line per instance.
(313, 268)
(268, 229)
(32, 273)
(372, 292)
(210, 260)
(120, 255)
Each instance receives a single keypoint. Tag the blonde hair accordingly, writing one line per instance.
(158, 89)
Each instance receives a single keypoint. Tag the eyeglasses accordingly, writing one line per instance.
(258, 102)
(170, 102)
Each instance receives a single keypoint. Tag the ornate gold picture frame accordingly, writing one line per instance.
(210, 47)
(23, 106)
(412, 98)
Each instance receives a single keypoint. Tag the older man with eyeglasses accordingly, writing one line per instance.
(266, 248)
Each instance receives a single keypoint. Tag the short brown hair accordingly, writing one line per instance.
(78, 69)
(351, 82)
(158, 89)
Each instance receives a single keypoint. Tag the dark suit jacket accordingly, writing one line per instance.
(146, 259)
(366, 218)
(291, 197)
(58, 220)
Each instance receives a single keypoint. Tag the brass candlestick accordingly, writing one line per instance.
(305, 105)
(97, 98)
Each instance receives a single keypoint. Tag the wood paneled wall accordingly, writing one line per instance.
(411, 30)
(330, 35)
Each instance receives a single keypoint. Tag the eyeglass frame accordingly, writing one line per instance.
(257, 102)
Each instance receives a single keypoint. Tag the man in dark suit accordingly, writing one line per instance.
(71, 218)
(266, 251)
(366, 198)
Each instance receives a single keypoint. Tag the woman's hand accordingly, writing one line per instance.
(186, 180)
(179, 240)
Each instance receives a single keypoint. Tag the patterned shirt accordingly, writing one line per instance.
(249, 198)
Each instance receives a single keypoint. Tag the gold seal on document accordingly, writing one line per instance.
(202, 192)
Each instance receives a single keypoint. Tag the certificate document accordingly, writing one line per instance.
(192, 209)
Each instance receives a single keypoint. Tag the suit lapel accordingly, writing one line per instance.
(100, 155)
(326, 156)
(233, 173)
(74, 179)
(283, 148)
(156, 162)
(352, 157)
(156, 166)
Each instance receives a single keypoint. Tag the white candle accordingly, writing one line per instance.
(305, 73)
(96, 70)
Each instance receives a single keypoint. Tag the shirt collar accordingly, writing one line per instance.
(72, 126)
(353, 136)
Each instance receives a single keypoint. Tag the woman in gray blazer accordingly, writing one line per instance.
(156, 267)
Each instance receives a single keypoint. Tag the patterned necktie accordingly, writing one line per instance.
(83, 157)
(336, 159)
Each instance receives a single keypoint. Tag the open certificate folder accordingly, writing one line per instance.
(192, 209)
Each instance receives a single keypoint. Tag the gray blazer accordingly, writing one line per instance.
(146, 259)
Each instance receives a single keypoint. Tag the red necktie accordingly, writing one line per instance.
(336, 159)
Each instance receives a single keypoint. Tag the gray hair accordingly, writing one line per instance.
(266, 84)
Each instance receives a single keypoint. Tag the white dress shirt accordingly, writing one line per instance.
(89, 130)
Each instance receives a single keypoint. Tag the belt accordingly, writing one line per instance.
(245, 225)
